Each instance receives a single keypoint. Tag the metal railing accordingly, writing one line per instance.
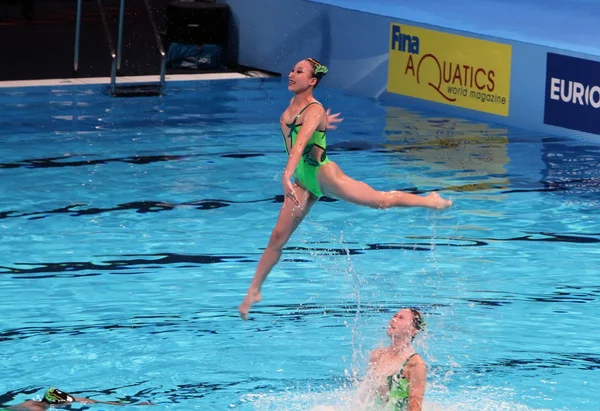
(113, 65)
(116, 56)
(113, 54)
(161, 49)
(77, 30)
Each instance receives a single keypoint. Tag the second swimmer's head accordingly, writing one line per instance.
(56, 396)
(406, 323)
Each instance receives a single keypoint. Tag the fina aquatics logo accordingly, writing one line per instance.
(448, 68)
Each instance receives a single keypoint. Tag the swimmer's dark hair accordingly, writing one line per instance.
(417, 319)
(318, 70)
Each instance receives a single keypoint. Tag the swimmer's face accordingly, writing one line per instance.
(301, 77)
(402, 324)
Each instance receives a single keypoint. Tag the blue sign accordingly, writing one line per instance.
(572, 93)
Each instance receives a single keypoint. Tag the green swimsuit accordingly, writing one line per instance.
(399, 388)
(308, 166)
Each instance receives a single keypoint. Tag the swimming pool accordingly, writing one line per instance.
(130, 229)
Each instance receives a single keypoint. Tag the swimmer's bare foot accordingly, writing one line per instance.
(252, 297)
(438, 202)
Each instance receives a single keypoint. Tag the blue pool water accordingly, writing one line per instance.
(130, 229)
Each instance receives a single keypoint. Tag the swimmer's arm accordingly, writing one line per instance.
(417, 379)
(90, 401)
(312, 118)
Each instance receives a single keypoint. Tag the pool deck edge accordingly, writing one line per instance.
(122, 80)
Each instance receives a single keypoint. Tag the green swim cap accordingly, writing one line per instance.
(56, 396)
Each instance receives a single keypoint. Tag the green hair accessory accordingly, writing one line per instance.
(318, 67)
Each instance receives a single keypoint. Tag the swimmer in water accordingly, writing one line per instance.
(56, 398)
(303, 125)
(397, 374)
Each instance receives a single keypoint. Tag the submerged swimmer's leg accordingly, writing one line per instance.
(290, 216)
(335, 183)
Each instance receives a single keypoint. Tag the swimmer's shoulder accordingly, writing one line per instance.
(415, 363)
(376, 355)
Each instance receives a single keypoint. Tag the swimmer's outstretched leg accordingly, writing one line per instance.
(335, 183)
(290, 217)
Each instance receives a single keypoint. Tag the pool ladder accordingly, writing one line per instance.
(125, 90)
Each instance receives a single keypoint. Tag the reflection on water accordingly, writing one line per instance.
(572, 171)
(469, 156)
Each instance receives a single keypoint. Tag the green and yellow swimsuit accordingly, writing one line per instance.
(308, 166)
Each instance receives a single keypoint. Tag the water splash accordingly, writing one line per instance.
(345, 399)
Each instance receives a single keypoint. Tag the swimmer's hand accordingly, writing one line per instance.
(288, 190)
(333, 118)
